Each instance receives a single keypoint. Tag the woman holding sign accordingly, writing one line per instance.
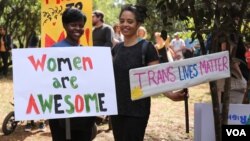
(79, 128)
(132, 118)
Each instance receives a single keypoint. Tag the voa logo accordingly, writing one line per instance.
(236, 132)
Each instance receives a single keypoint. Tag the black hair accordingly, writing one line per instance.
(98, 14)
(139, 11)
(73, 15)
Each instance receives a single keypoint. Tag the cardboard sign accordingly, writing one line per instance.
(52, 30)
(152, 80)
(63, 82)
(238, 114)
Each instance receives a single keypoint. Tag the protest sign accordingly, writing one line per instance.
(238, 114)
(155, 79)
(51, 20)
(63, 82)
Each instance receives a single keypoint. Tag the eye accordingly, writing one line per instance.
(130, 21)
(121, 21)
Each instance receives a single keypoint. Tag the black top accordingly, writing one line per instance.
(103, 36)
(7, 41)
(124, 59)
(163, 55)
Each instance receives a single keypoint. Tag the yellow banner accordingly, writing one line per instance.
(51, 21)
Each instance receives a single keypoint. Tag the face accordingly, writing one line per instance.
(158, 39)
(95, 20)
(176, 37)
(117, 29)
(223, 46)
(128, 24)
(74, 30)
(141, 33)
(2, 31)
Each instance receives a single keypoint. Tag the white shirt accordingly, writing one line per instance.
(177, 46)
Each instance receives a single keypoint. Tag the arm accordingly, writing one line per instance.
(109, 35)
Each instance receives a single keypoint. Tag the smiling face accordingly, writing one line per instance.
(74, 31)
(128, 24)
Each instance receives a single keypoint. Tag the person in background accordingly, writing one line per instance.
(33, 43)
(118, 37)
(5, 47)
(34, 40)
(178, 46)
(238, 82)
(103, 34)
(80, 128)
(30, 124)
(132, 119)
(165, 53)
(142, 33)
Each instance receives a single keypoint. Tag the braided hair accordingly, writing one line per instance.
(139, 11)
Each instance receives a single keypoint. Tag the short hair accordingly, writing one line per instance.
(139, 11)
(73, 15)
(99, 14)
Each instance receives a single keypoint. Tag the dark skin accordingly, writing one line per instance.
(74, 31)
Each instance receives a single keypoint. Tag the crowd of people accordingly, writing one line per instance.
(125, 39)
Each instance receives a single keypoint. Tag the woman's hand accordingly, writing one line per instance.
(176, 96)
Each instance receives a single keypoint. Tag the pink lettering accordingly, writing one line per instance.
(139, 77)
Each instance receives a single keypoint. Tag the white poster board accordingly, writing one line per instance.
(152, 80)
(63, 82)
(239, 114)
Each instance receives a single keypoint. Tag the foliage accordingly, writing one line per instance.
(224, 21)
(110, 8)
(21, 17)
(155, 21)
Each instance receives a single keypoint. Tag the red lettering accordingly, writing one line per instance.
(57, 1)
(32, 105)
(38, 63)
(79, 103)
(86, 60)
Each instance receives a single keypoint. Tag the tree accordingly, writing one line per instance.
(111, 9)
(221, 19)
(21, 17)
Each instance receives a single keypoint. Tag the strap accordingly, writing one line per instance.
(117, 47)
(144, 50)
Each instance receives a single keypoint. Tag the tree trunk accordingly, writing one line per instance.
(216, 110)
(225, 99)
(243, 9)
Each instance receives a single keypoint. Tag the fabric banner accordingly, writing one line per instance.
(155, 79)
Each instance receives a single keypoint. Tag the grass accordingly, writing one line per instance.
(166, 123)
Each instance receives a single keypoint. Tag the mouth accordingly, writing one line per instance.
(125, 30)
(77, 34)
